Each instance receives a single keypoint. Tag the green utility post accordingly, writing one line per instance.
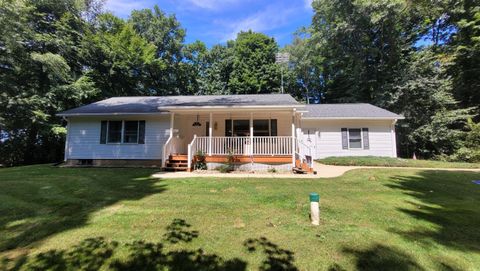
(315, 208)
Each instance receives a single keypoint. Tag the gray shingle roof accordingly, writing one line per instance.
(354, 110)
(154, 104)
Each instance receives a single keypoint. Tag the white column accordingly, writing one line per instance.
(210, 135)
(172, 117)
(293, 138)
(394, 139)
(251, 133)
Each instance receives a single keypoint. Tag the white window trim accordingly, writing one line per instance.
(361, 139)
(122, 134)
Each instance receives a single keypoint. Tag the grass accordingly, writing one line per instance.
(121, 219)
(393, 162)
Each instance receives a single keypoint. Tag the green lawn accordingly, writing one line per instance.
(121, 219)
(393, 162)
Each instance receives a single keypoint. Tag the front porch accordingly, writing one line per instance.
(257, 140)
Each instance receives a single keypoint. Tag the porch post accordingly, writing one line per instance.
(293, 138)
(164, 158)
(210, 135)
(251, 133)
(172, 117)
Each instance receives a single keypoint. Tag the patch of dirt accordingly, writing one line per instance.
(239, 224)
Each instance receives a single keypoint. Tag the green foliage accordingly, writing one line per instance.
(393, 162)
(253, 64)
(470, 152)
(56, 55)
(200, 162)
(224, 168)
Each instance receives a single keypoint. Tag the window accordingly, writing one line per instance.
(261, 128)
(354, 138)
(130, 132)
(114, 132)
(242, 127)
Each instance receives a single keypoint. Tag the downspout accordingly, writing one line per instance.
(293, 138)
(65, 155)
(394, 138)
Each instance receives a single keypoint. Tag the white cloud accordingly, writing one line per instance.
(213, 4)
(124, 7)
(272, 17)
(308, 4)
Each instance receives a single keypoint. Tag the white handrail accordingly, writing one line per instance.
(262, 145)
(192, 149)
(303, 150)
(173, 145)
(165, 147)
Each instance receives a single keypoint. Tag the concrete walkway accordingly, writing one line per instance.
(323, 171)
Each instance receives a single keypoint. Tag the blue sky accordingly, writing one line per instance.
(216, 21)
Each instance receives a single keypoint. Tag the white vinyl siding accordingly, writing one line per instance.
(84, 139)
(326, 137)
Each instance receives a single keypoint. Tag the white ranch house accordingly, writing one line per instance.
(260, 131)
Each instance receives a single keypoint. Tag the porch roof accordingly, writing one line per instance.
(157, 104)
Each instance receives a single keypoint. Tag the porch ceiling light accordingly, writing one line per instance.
(197, 123)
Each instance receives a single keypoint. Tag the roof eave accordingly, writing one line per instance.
(354, 118)
(221, 107)
(109, 114)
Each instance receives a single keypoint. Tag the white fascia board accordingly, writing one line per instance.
(353, 118)
(230, 108)
(110, 114)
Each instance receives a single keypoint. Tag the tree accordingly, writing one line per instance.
(254, 70)
(118, 57)
(305, 69)
(364, 45)
(465, 49)
(164, 76)
(41, 75)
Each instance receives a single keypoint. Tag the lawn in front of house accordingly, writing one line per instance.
(122, 219)
(393, 162)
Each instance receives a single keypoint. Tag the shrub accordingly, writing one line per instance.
(224, 168)
(200, 160)
(466, 155)
(272, 170)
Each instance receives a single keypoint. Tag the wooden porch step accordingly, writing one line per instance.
(178, 157)
(175, 169)
(177, 161)
(177, 164)
(299, 170)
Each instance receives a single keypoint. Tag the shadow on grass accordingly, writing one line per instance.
(276, 258)
(39, 201)
(379, 257)
(97, 253)
(449, 201)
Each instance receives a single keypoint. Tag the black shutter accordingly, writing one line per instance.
(103, 132)
(273, 127)
(366, 141)
(228, 127)
(141, 132)
(344, 138)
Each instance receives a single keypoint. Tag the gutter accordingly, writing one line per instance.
(354, 118)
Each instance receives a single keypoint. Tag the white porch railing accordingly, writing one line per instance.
(303, 152)
(262, 145)
(173, 145)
